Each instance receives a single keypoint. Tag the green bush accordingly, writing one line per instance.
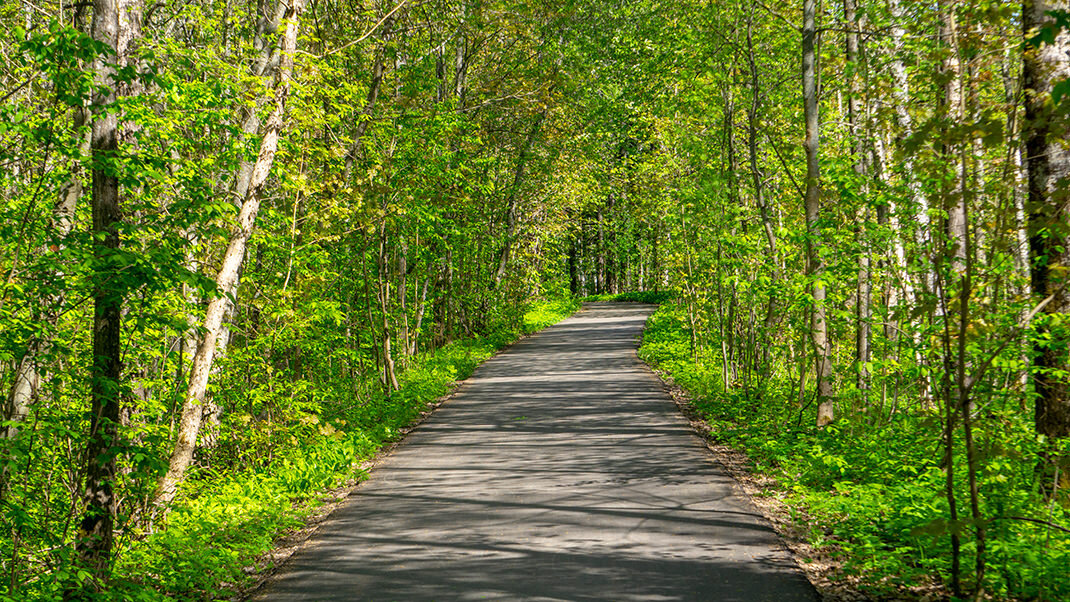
(206, 547)
(873, 493)
(544, 313)
(634, 297)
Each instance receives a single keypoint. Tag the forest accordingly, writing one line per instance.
(244, 244)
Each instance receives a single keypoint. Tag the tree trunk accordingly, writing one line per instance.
(752, 148)
(96, 538)
(573, 266)
(954, 193)
(1045, 130)
(390, 379)
(266, 64)
(363, 121)
(768, 226)
(420, 309)
(24, 387)
(905, 127)
(1014, 170)
(460, 64)
(403, 294)
(855, 117)
(227, 277)
(600, 266)
(512, 205)
(27, 380)
(819, 331)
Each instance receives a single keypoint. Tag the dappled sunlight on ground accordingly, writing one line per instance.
(560, 471)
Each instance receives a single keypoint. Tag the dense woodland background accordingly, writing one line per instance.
(243, 244)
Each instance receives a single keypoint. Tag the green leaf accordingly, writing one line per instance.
(1060, 91)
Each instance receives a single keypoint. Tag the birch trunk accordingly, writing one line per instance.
(227, 277)
(954, 194)
(819, 331)
(265, 67)
(904, 128)
(27, 379)
(1048, 168)
(855, 116)
(1012, 95)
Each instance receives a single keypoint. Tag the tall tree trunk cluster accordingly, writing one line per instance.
(1046, 126)
(234, 231)
(867, 254)
(276, 197)
(251, 181)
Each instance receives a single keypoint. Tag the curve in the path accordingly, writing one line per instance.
(560, 471)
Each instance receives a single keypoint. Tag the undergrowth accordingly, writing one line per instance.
(633, 297)
(872, 492)
(207, 546)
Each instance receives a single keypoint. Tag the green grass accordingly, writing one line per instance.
(633, 297)
(873, 494)
(208, 545)
(545, 313)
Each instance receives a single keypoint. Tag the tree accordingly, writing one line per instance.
(112, 27)
(1046, 65)
(856, 119)
(819, 330)
(226, 281)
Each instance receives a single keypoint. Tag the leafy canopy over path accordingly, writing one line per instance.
(242, 243)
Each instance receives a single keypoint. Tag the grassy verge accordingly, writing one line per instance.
(870, 497)
(208, 546)
(634, 297)
(546, 313)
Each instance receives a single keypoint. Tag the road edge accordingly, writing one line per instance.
(268, 566)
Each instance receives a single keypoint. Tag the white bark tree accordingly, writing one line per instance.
(251, 187)
(819, 330)
(1046, 130)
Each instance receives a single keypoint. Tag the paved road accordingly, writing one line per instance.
(560, 471)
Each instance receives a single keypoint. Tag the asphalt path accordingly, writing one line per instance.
(560, 471)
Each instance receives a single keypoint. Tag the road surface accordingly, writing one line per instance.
(559, 471)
